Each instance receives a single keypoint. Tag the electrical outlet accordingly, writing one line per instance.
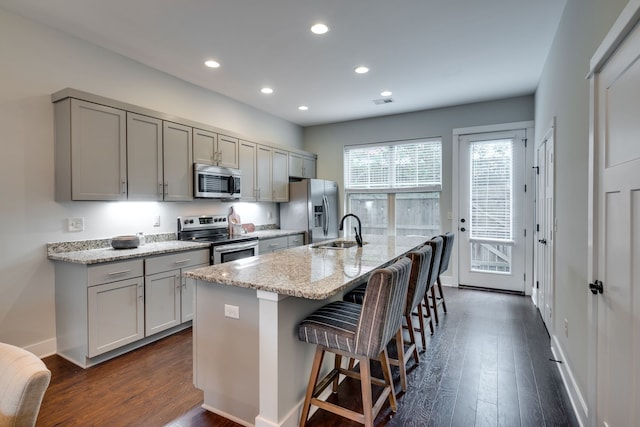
(75, 224)
(566, 328)
(232, 311)
(156, 221)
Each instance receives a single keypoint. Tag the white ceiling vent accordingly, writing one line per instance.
(383, 101)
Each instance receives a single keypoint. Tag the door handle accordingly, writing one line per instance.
(596, 287)
(463, 229)
(543, 241)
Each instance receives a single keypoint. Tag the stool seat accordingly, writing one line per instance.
(333, 325)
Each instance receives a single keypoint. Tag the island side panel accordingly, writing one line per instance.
(226, 351)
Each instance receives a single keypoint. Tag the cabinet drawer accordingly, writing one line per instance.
(273, 244)
(295, 240)
(178, 260)
(107, 273)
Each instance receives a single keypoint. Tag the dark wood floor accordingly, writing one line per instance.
(488, 364)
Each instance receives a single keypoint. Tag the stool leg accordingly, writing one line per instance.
(386, 371)
(444, 304)
(435, 304)
(337, 362)
(401, 360)
(365, 385)
(412, 336)
(313, 379)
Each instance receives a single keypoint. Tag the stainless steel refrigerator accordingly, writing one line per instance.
(312, 206)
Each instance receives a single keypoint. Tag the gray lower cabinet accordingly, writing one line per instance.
(104, 310)
(169, 296)
(279, 243)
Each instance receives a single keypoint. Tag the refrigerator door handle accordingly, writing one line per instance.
(325, 227)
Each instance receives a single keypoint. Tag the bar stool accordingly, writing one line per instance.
(447, 248)
(361, 332)
(436, 244)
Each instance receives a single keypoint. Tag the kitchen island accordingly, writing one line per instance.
(247, 356)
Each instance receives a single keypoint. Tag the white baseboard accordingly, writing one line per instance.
(571, 386)
(44, 348)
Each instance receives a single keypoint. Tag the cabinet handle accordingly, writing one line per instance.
(182, 261)
(160, 188)
(119, 272)
(140, 292)
(166, 188)
(178, 282)
(124, 186)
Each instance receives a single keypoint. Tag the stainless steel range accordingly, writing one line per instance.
(215, 229)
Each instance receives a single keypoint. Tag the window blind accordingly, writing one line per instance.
(401, 165)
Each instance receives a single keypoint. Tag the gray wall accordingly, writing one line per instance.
(563, 93)
(328, 141)
(36, 62)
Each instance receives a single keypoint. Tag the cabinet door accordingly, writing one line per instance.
(178, 162)
(309, 167)
(187, 295)
(227, 152)
(295, 165)
(280, 175)
(115, 315)
(295, 240)
(204, 146)
(162, 301)
(264, 180)
(272, 244)
(98, 152)
(144, 157)
(247, 152)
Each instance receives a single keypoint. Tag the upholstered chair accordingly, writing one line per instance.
(24, 378)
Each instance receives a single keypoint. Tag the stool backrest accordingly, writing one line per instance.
(436, 244)
(383, 307)
(420, 265)
(446, 250)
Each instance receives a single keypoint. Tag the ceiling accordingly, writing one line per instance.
(429, 53)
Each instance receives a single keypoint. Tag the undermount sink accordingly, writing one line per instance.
(336, 244)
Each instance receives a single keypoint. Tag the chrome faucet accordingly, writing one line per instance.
(358, 230)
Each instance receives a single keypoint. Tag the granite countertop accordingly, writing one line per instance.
(99, 251)
(307, 272)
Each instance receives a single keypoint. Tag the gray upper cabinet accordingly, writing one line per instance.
(264, 180)
(302, 166)
(90, 144)
(144, 157)
(178, 162)
(247, 152)
(280, 175)
(210, 148)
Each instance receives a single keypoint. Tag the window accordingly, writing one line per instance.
(394, 188)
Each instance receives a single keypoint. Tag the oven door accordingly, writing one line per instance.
(234, 251)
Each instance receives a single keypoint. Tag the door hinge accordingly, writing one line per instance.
(525, 277)
(525, 188)
(537, 168)
(525, 142)
(537, 284)
(525, 232)
(537, 227)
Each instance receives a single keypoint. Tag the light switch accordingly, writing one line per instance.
(232, 311)
(75, 224)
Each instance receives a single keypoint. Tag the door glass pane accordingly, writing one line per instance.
(372, 209)
(491, 216)
(418, 214)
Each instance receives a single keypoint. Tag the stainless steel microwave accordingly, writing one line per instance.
(213, 182)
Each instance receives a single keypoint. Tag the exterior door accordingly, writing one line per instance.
(491, 219)
(545, 230)
(616, 263)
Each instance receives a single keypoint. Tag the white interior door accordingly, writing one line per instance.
(491, 210)
(617, 250)
(545, 230)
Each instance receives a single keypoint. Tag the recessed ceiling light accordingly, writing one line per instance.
(361, 69)
(211, 63)
(303, 108)
(266, 90)
(319, 29)
(386, 93)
